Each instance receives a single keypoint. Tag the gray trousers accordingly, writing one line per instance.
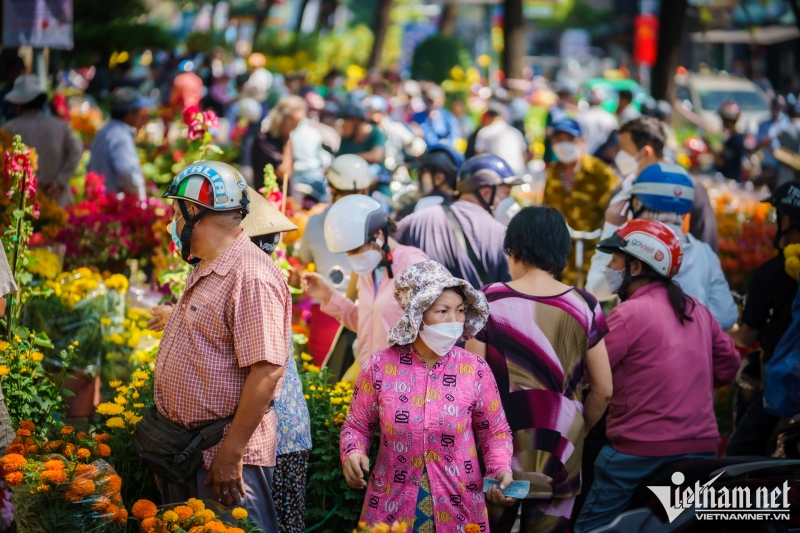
(257, 484)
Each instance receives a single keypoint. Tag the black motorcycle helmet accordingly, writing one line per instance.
(786, 200)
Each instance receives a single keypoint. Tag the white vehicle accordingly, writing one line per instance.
(703, 93)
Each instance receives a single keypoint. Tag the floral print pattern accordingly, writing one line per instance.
(418, 286)
(429, 420)
(294, 424)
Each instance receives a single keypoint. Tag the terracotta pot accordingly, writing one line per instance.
(87, 394)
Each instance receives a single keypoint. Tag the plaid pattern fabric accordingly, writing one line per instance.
(234, 313)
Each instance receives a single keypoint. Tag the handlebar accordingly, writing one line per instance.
(584, 235)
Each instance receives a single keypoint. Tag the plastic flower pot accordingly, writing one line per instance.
(86, 389)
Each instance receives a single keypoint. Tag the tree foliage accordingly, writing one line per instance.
(436, 56)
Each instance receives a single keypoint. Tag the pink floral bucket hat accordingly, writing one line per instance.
(418, 286)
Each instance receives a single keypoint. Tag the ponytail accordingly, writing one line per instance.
(681, 304)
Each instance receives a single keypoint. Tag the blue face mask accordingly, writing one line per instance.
(175, 237)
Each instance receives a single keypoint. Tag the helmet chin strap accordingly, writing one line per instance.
(488, 206)
(387, 253)
(186, 232)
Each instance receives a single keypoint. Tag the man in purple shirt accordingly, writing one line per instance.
(463, 236)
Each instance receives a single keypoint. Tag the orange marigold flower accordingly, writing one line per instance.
(102, 438)
(30, 442)
(13, 461)
(82, 435)
(82, 486)
(70, 496)
(33, 449)
(234, 530)
(67, 430)
(116, 498)
(54, 464)
(30, 426)
(110, 511)
(53, 445)
(121, 516)
(88, 471)
(215, 525)
(472, 528)
(100, 504)
(83, 453)
(113, 483)
(144, 509)
(69, 449)
(54, 476)
(153, 525)
(103, 450)
(14, 478)
(184, 511)
(23, 433)
(17, 449)
(42, 488)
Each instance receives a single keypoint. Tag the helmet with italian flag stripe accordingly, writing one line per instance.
(664, 187)
(213, 185)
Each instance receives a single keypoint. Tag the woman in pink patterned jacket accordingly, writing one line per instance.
(431, 401)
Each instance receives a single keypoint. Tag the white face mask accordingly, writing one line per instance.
(567, 152)
(626, 163)
(614, 279)
(441, 337)
(506, 210)
(366, 262)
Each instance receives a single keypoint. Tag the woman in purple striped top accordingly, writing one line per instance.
(542, 341)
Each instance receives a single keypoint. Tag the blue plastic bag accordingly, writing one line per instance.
(782, 372)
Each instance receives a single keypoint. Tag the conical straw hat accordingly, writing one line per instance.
(264, 218)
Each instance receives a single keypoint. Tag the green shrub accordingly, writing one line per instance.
(436, 56)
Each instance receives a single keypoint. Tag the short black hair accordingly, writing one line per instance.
(117, 114)
(646, 131)
(625, 94)
(538, 237)
(36, 104)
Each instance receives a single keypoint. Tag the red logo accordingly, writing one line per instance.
(659, 255)
(678, 191)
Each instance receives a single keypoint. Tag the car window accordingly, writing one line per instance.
(746, 100)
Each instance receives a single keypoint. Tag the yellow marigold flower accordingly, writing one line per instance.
(170, 516)
(4, 370)
(306, 357)
(4, 346)
(312, 388)
(306, 396)
(115, 383)
(239, 513)
(206, 514)
(105, 321)
(115, 423)
(196, 505)
(109, 409)
(37, 356)
(336, 401)
(17, 339)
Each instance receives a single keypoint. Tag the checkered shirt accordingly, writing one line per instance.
(234, 313)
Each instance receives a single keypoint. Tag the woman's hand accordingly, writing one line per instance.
(160, 316)
(495, 494)
(354, 467)
(315, 286)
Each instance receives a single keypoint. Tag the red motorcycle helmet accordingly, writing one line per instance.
(649, 241)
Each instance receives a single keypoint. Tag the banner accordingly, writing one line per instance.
(37, 23)
(645, 42)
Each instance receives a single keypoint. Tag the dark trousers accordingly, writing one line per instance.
(258, 499)
(753, 431)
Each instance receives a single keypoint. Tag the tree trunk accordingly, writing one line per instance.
(670, 35)
(447, 24)
(796, 8)
(379, 30)
(300, 15)
(514, 39)
(326, 10)
(261, 18)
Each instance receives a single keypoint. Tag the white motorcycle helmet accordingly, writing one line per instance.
(352, 222)
(349, 173)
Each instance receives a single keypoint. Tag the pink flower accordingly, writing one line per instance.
(211, 119)
(36, 209)
(275, 198)
(10, 193)
(31, 186)
(190, 114)
(193, 134)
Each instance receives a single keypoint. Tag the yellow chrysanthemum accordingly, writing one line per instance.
(37, 356)
(4, 346)
(115, 383)
(4, 370)
(109, 409)
(140, 374)
(105, 321)
(115, 423)
(120, 400)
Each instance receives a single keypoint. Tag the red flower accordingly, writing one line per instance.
(31, 186)
(275, 197)
(177, 155)
(190, 114)
(36, 210)
(20, 163)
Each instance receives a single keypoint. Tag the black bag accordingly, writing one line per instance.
(171, 451)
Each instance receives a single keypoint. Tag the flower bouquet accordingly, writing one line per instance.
(63, 484)
(196, 516)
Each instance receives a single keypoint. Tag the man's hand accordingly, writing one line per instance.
(225, 474)
(315, 286)
(495, 494)
(355, 466)
(160, 316)
(617, 212)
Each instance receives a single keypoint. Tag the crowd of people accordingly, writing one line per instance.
(484, 346)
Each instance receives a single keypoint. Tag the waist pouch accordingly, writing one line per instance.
(171, 451)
